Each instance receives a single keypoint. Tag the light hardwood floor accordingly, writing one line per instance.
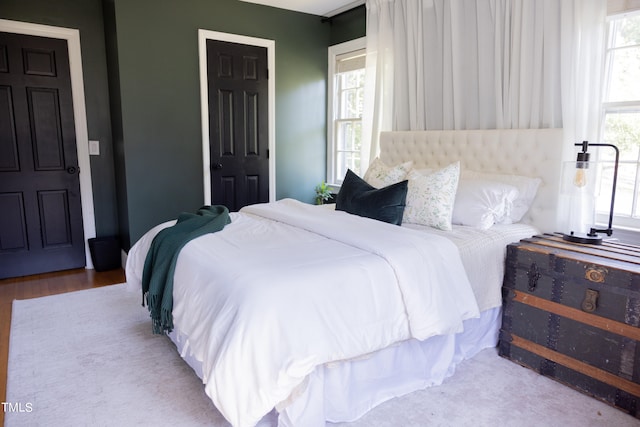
(38, 286)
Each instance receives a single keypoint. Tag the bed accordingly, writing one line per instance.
(349, 312)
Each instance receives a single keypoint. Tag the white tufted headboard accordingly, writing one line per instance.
(527, 152)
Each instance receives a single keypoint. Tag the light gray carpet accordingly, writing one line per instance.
(88, 358)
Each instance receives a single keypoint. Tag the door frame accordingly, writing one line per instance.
(203, 36)
(72, 36)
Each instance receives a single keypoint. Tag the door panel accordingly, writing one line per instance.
(44, 119)
(41, 225)
(238, 121)
(54, 218)
(8, 143)
(13, 223)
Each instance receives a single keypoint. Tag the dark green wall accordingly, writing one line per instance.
(159, 91)
(110, 31)
(349, 25)
(86, 16)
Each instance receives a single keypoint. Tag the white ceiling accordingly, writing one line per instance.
(314, 7)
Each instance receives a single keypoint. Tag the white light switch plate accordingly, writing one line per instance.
(94, 148)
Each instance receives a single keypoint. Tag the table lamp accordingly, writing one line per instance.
(583, 177)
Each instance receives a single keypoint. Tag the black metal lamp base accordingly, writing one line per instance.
(582, 238)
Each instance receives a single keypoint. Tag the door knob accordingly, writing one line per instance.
(217, 166)
(72, 169)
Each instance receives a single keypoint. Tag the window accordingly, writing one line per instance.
(621, 121)
(346, 99)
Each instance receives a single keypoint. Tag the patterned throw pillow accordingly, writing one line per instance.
(430, 198)
(380, 175)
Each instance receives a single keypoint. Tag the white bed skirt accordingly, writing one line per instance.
(345, 391)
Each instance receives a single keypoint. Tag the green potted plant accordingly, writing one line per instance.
(323, 193)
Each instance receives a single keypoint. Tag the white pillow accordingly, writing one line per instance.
(380, 175)
(430, 197)
(481, 203)
(527, 189)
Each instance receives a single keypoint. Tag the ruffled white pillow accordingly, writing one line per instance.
(380, 175)
(482, 203)
(430, 197)
(527, 189)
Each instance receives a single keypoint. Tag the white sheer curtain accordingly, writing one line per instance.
(480, 64)
(583, 38)
(379, 69)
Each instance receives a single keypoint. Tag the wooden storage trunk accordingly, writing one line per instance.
(572, 313)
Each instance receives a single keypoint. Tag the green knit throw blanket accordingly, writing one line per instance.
(160, 263)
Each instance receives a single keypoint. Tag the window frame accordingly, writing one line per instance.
(333, 52)
(616, 107)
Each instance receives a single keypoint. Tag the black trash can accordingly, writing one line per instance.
(105, 253)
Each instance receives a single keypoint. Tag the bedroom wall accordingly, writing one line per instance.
(86, 16)
(158, 154)
(349, 25)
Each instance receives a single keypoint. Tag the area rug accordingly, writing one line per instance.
(89, 358)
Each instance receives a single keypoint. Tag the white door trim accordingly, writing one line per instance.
(203, 36)
(72, 37)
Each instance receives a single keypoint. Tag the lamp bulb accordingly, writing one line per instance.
(580, 179)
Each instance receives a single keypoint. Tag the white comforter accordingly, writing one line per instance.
(288, 286)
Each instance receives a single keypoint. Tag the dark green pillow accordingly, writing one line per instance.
(386, 204)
